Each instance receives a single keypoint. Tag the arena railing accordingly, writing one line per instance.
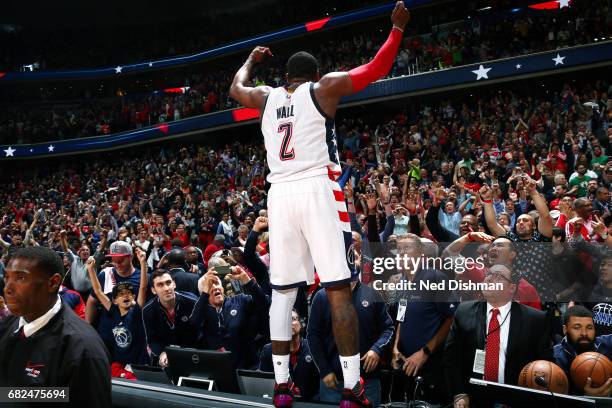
(480, 74)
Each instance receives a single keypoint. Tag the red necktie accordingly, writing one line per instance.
(492, 349)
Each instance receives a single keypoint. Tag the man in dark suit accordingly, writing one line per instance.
(177, 268)
(494, 330)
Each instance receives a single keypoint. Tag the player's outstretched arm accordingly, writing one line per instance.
(248, 96)
(339, 84)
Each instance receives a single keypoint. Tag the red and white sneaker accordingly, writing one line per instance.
(283, 395)
(355, 398)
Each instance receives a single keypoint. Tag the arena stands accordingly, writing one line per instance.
(477, 38)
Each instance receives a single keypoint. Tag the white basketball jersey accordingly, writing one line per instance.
(300, 139)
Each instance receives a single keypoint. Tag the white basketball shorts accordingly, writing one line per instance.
(309, 228)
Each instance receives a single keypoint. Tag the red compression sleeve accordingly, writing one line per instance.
(379, 66)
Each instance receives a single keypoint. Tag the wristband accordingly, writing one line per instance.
(487, 201)
(380, 65)
(397, 28)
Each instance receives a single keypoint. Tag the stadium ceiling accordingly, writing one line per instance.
(114, 13)
(44, 14)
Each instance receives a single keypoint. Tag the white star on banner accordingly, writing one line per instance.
(563, 3)
(9, 152)
(518, 66)
(481, 72)
(51, 148)
(118, 70)
(558, 60)
(150, 64)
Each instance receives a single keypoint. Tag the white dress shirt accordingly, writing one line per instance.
(504, 320)
(35, 325)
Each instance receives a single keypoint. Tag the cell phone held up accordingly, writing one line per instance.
(222, 271)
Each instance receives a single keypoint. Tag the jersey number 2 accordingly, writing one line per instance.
(287, 130)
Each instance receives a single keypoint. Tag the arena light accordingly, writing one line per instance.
(245, 114)
(182, 89)
(163, 127)
(550, 5)
(317, 24)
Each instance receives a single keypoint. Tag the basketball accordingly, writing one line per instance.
(550, 372)
(590, 364)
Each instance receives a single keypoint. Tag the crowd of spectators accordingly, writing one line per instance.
(525, 176)
(479, 38)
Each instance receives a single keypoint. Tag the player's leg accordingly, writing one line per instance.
(290, 267)
(329, 239)
(345, 328)
(280, 334)
(280, 331)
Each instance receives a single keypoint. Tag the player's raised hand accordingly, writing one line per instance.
(400, 15)
(259, 53)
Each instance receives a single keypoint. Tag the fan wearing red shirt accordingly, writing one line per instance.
(180, 233)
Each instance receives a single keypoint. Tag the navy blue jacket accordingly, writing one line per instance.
(256, 265)
(564, 352)
(304, 373)
(162, 332)
(230, 327)
(185, 281)
(375, 329)
(425, 313)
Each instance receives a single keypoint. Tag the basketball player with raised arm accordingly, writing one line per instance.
(308, 221)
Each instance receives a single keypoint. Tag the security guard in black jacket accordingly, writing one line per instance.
(46, 344)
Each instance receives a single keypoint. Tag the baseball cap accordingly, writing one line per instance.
(120, 287)
(120, 248)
